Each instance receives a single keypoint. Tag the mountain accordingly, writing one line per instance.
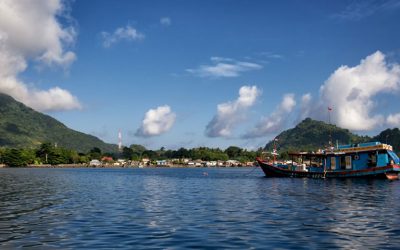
(311, 135)
(21, 126)
(390, 136)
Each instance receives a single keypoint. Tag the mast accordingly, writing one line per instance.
(330, 127)
(119, 141)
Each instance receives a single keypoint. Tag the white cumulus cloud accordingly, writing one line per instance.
(393, 120)
(30, 31)
(276, 121)
(351, 91)
(305, 106)
(230, 114)
(157, 121)
(224, 67)
(127, 33)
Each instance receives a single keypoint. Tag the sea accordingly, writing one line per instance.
(185, 208)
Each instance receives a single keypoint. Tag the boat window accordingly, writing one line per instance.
(348, 162)
(333, 163)
(372, 159)
(342, 162)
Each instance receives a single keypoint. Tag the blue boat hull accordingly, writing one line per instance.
(390, 172)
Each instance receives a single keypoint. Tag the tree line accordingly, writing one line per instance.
(48, 153)
(137, 152)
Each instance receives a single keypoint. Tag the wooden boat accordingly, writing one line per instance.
(373, 159)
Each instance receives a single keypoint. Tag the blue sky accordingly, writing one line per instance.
(181, 59)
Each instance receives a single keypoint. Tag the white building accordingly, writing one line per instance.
(94, 163)
(211, 163)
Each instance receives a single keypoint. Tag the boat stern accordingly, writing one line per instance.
(393, 172)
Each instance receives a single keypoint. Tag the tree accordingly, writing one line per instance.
(73, 156)
(44, 151)
(233, 152)
(15, 158)
(2, 153)
(49, 154)
(95, 153)
(149, 154)
(83, 158)
(57, 157)
(28, 155)
(181, 153)
(127, 153)
(136, 148)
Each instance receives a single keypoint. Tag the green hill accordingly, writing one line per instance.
(311, 135)
(21, 126)
(390, 136)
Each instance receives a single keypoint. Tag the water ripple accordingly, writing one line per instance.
(183, 208)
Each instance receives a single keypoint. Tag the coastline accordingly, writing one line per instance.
(117, 167)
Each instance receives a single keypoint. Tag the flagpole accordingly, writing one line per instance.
(329, 114)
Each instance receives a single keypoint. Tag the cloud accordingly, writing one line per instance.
(156, 122)
(30, 31)
(165, 21)
(352, 92)
(271, 55)
(305, 106)
(276, 121)
(127, 33)
(229, 114)
(393, 120)
(358, 10)
(224, 67)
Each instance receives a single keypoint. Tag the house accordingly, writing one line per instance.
(161, 163)
(232, 163)
(250, 164)
(146, 161)
(186, 160)
(94, 163)
(198, 163)
(220, 163)
(211, 163)
(107, 159)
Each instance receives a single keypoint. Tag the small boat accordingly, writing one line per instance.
(373, 159)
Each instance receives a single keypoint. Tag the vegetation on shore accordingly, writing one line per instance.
(48, 153)
(309, 135)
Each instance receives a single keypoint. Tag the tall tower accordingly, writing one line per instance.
(119, 141)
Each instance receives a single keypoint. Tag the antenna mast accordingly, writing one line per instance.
(119, 141)
(330, 127)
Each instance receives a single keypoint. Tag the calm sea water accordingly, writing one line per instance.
(187, 208)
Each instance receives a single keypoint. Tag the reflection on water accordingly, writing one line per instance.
(162, 208)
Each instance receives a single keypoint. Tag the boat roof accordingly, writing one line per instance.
(359, 147)
(307, 154)
(343, 149)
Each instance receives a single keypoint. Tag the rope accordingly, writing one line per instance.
(254, 168)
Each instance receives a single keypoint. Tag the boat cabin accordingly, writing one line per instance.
(345, 157)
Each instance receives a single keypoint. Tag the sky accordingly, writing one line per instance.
(203, 73)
